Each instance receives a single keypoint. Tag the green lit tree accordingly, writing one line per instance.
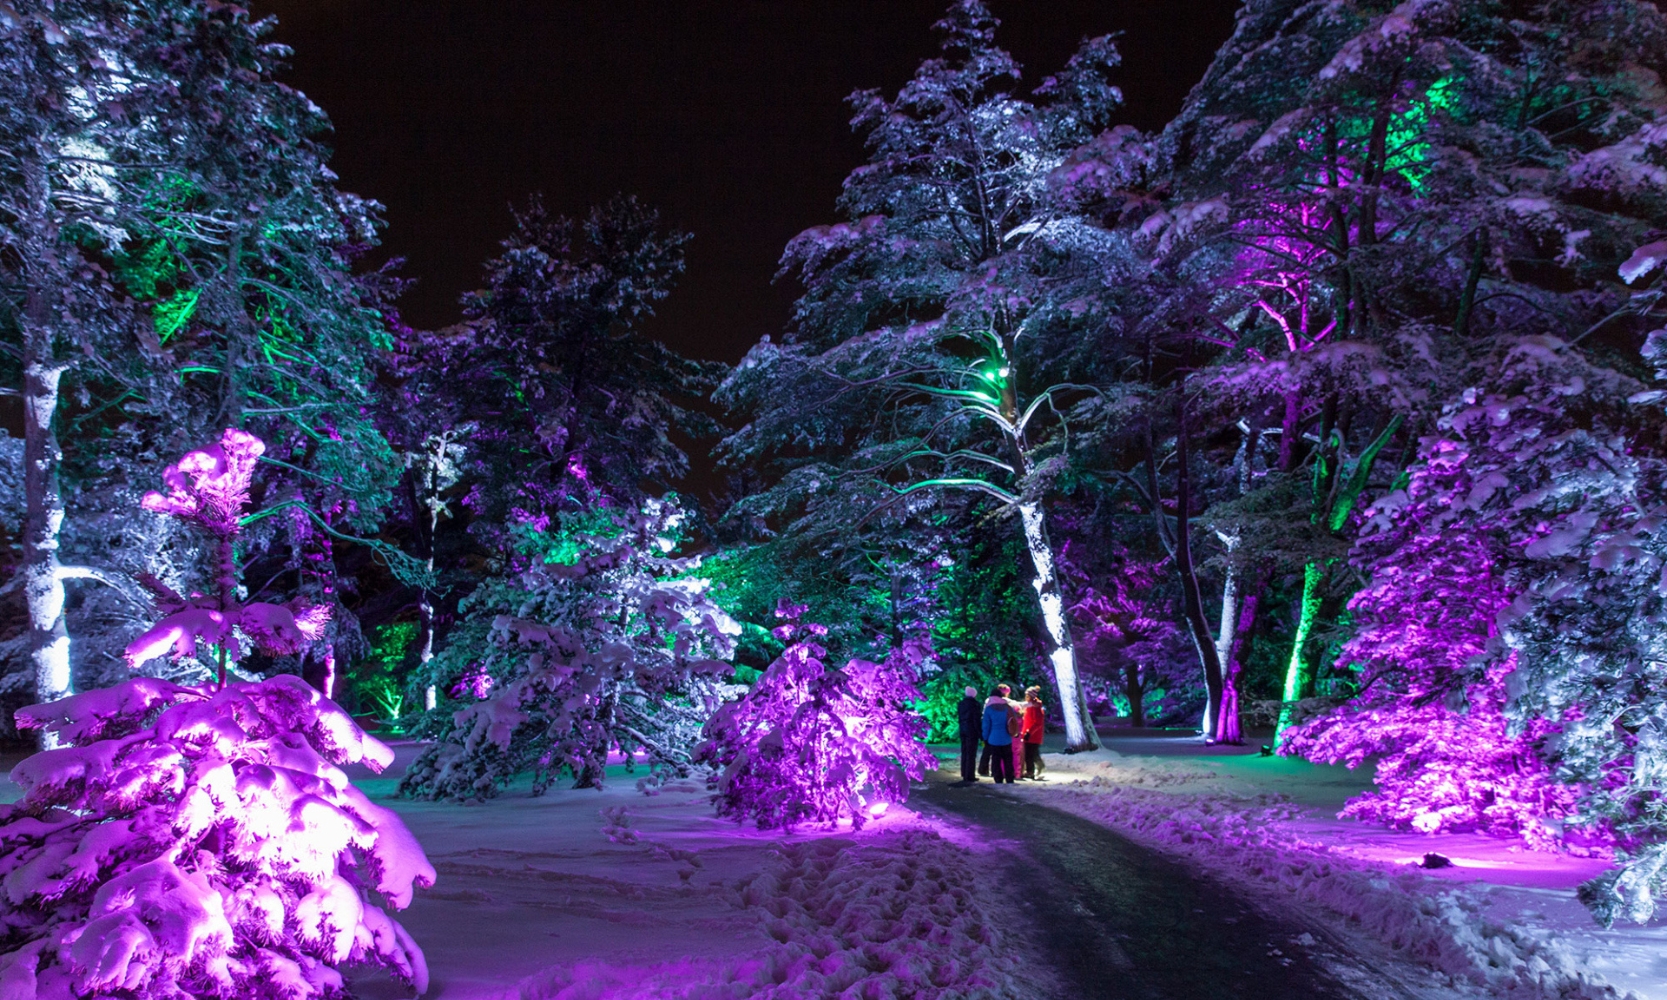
(184, 263)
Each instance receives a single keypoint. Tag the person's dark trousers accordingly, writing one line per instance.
(969, 757)
(1001, 764)
(1033, 760)
(984, 761)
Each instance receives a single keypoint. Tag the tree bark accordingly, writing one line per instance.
(1192, 601)
(1135, 691)
(43, 583)
(1079, 728)
(1298, 674)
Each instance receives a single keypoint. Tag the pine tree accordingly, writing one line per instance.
(203, 841)
(602, 643)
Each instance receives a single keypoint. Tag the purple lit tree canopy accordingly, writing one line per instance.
(819, 745)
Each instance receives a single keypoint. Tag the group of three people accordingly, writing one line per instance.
(1011, 732)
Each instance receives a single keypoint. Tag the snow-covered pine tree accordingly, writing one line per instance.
(810, 744)
(1535, 463)
(204, 841)
(604, 643)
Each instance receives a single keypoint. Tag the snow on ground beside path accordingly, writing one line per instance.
(586, 895)
(1502, 922)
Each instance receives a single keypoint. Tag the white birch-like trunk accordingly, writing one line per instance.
(431, 694)
(1229, 603)
(1079, 735)
(425, 610)
(43, 583)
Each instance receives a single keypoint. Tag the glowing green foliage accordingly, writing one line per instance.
(171, 314)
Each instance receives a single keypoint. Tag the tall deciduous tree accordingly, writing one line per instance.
(916, 358)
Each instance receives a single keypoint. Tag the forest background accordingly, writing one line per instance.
(1327, 406)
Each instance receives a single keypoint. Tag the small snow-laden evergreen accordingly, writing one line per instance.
(604, 642)
(203, 841)
(812, 745)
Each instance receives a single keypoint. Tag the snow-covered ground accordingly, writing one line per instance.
(614, 894)
(1502, 921)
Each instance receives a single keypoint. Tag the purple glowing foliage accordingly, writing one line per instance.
(1127, 621)
(809, 744)
(476, 683)
(1434, 664)
(209, 488)
(202, 842)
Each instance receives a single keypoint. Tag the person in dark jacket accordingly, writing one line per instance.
(996, 712)
(1003, 691)
(970, 714)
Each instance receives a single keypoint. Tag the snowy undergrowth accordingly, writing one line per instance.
(893, 914)
(1249, 839)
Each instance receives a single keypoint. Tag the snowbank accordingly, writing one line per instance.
(1501, 922)
(613, 895)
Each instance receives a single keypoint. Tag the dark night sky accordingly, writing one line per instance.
(728, 115)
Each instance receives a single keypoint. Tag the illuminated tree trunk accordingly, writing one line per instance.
(1299, 674)
(43, 582)
(1079, 731)
(1227, 710)
(425, 613)
(1229, 729)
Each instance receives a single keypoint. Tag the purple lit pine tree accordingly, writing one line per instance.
(203, 841)
(809, 744)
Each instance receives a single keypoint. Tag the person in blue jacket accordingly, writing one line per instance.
(998, 738)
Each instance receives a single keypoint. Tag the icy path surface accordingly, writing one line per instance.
(1502, 922)
(613, 895)
(1124, 921)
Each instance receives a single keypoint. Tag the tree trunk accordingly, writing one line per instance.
(1135, 692)
(1079, 728)
(425, 614)
(43, 584)
(1227, 710)
(425, 602)
(1192, 600)
(1298, 674)
(1229, 728)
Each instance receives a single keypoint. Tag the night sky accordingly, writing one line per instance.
(729, 116)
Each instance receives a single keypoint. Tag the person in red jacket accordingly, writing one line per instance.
(1036, 720)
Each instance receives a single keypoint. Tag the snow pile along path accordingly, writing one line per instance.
(886, 914)
(1264, 841)
(618, 895)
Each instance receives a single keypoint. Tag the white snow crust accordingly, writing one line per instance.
(587, 895)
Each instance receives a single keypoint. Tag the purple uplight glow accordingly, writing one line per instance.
(809, 744)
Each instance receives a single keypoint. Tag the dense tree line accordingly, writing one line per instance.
(1327, 408)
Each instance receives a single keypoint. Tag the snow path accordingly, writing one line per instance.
(1124, 921)
(1503, 922)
